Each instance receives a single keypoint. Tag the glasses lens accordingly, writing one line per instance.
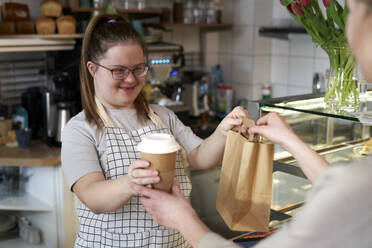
(119, 74)
(140, 70)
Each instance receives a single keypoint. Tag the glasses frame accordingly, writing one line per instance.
(147, 67)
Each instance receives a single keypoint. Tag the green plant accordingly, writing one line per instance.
(327, 30)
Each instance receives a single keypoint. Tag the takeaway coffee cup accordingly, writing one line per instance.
(160, 149)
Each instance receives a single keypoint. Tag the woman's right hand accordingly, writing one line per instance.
(273, 127)
(139, 173)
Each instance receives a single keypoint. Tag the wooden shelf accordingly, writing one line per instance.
(36, 155)
(35, 42)
(25, 202)
(42, 36)
(200, 25)
(128, 11)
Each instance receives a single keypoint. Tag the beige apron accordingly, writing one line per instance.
(131, 225)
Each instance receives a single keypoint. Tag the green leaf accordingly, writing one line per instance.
(286, 2)
(335, 16)
(318, 11)
(345, 13)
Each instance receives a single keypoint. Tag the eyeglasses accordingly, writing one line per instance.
(122, 73)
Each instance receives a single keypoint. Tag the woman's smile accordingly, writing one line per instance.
(128, 88)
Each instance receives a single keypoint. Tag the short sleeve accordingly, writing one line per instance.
(183, 134)
(78, 153)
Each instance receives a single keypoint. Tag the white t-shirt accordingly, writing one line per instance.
(84, 145)
(337, 213)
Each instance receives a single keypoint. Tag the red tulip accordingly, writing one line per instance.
(297, 9)
(326, 3)
(289, 8)
(305, 3)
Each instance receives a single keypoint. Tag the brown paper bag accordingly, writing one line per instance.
(245, 189)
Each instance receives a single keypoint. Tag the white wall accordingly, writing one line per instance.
(250, 60)
(294, 62)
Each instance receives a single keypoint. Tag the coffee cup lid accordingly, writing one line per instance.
(158, 143)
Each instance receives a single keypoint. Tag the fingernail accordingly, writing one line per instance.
(155, 173)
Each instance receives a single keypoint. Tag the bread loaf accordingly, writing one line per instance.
(66, 25)
(51, 8)
(15, 12)
(7, 27)
(25, 27)
(45, 25)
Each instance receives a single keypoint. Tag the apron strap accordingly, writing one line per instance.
(155, 118)
(107, 122)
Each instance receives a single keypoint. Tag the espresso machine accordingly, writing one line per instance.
(166, 61)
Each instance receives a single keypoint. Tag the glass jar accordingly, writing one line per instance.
(188, 16)
(344, 81)
(141, 4)
(211, 13)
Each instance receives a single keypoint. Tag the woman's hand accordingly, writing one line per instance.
(139, 173)
(169, 210)
(273, 127)
(174, 211)
(234, 120)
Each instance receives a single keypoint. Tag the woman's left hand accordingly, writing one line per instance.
(234, 121)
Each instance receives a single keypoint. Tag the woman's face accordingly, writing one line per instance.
(359, 35)
(118, 94)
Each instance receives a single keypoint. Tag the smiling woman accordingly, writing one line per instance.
(99, 145)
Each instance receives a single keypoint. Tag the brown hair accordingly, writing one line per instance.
(103, 32)
(368, 3)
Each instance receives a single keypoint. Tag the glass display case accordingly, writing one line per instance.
(337, 136)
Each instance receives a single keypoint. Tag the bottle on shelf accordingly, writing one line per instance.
(178, 11)
(218, 9)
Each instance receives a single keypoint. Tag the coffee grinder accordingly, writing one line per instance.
(195, 94)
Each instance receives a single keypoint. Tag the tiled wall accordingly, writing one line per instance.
(294, 62)
(250, 60)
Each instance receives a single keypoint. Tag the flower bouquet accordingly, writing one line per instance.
(327, 29)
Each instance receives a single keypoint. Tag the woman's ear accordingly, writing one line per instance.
(91, 68)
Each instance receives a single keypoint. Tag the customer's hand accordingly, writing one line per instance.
(234, 120)
(273, 127)
(169, 210)
(139, 173)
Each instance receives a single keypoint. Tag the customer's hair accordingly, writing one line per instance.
(368, 3)
(103, 32)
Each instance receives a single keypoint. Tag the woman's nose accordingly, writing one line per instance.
(130, 77)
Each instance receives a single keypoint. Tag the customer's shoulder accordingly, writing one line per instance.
(352, 175)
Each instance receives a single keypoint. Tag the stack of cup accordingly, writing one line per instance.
(160, 150)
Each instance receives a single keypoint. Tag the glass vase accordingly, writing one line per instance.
(344, 83)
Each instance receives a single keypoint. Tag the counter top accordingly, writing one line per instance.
(38, 154)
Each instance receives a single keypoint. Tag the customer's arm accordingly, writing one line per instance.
(174, 211)
(273, 127)
(210, 153)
